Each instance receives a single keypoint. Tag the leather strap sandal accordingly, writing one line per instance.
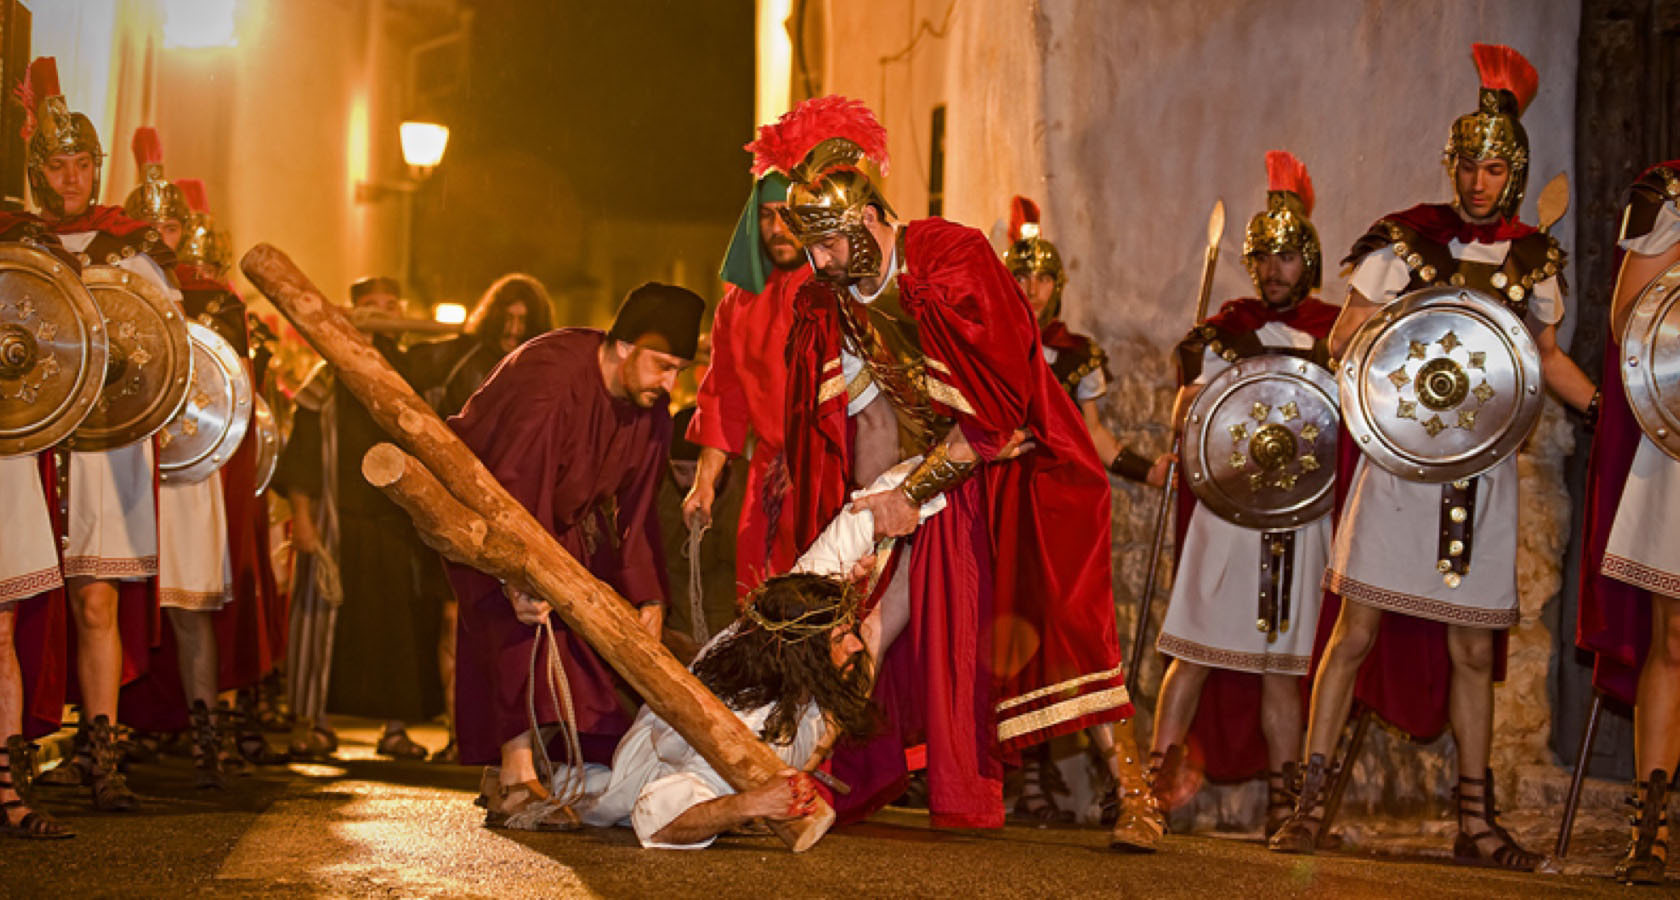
(1140, 824)
(1283, 789)
(207, 749)
(1647, 853)
(1300, 832)
(318, 743)
(76, 770)
(1468, 846)
(528, 807)
(398, 745)
(1041, 781)
(33, 824)
(239, 726)
(111, 792)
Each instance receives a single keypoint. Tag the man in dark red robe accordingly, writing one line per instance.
(995, 631)
(744, 394)
(574, 424)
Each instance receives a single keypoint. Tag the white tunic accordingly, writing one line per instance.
(1643, 549)
(1386, 550)
(1216, 586)
(1090, 387)
(28, 553)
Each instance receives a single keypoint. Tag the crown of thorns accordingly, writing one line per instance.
(842, 613)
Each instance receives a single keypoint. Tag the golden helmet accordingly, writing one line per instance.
(1029, 251)
(52, 129)
(154, 198)
(203, 241)
(1494, 130)
(1285, 225)
(820, 145)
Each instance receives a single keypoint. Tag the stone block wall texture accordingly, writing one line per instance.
(1126, 121)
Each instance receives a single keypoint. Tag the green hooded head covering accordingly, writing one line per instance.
(746, 264)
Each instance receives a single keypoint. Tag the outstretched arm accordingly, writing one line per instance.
(789, 796)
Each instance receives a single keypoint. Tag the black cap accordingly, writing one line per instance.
(662, 317)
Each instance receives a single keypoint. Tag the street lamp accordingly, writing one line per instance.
(423, 144)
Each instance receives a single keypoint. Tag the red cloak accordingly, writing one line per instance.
(1012, 634)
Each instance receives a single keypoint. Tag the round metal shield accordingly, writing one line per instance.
(1651, 361)
(212, 423)
(52, 350)
(1260, 442)
(150, 364)
(1440, 385)
(267, 436)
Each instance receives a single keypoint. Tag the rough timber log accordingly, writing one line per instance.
(473, 520)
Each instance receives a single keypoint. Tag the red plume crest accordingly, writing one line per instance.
(783, 145)
(193, 189)
(1021, 212)
(1502, 68)
(148, 149)
(1286, 173)
(40, 81)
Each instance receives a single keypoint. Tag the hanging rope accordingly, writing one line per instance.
(566, 783)
(697, 585)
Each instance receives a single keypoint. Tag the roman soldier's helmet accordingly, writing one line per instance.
(1285, 225)
(154, 199)
(820, 145)
(50, 129)
(203, 242)
(1494, 130)
(1030, 252)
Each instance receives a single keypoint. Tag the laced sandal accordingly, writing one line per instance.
(1300, 832)
(1283, 790)
(1467, 847)
(447, 754)
(74, 771)
(1139, 824)
(398, 745)
(33, 824)
(1041, 781)
(1647, 853)
(111, 792)
(527, 806)
(207, 749)
(250, 748)
(318, 743)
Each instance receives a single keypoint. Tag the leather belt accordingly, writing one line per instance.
(1458, 521)
(1277, 569)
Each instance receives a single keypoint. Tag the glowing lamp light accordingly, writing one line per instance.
(423, 143)
(449, 313)
(199, 24)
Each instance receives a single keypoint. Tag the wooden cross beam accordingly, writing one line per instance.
(472, 519)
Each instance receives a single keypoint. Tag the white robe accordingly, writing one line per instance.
(28, 553)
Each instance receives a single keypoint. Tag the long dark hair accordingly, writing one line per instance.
(490, 313)
(766, 663)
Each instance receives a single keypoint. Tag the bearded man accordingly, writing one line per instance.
(1392, 564)
(574, 424)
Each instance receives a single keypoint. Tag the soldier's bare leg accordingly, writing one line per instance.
(1181, 691)
(195, 644)
(1280, 718)
(1332, 694)
(93, 603)
(1656, 717)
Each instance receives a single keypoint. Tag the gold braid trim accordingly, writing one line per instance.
(937, 474)
(1057, 713)
(1068, 685)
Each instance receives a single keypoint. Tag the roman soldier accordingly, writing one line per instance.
(1233, 689)
(1400, 563)
(1630, 571)
(741, 407)
(912, 340)
(114, 514)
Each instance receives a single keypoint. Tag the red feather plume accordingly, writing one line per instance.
(148, 149)
(193, 189)
(782, 146)
(40, 81)
(1286, 173)
(1502, 68)
(1021, 212)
